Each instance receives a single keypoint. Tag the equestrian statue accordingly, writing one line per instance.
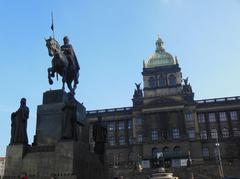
(64, 63)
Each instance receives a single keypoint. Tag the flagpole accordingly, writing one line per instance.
(52, 26)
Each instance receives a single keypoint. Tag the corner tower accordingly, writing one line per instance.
(162, 78)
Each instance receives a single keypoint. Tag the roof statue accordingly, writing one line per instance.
(159, 45)
(138, 91)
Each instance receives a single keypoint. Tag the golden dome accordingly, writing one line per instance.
(160, 57)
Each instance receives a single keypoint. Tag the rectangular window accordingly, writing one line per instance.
(222, 116)
(225, 133)
(203, 134)
(175, 133)
(236, 132)
(201, 118)
(191, 133)
(214, 133)
(140, 138)
(111, 126)
(130, 140)
(205, 152)
(189, 116)
(111, 140)
(130, 123)
(212, 117)
(233, 115)
(122, 140)
(154, 135)
(139, 121)
(121, 125)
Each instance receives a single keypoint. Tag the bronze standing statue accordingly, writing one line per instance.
(69, 130)
(19, 124)
(100, 138)
(64, 62)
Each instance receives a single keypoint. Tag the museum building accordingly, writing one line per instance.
(165, 119)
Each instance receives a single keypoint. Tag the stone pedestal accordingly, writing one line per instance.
(14, 156)
(65, 160)
(50, 154)
(50, 116)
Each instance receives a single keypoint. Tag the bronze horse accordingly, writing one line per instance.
(60, 64)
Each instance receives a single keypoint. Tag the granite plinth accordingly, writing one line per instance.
(14, 156)
(51, 153)
(54, 96)
(68, 160)
(50, 116)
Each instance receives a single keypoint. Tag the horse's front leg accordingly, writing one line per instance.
(64, 77)
(70, 86)
(50, 71)
(63, 84)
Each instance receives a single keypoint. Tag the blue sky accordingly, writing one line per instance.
(111, 40)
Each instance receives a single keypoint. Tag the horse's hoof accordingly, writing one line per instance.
(75, 86)
(50, 82)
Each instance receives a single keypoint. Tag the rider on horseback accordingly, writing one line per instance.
(72, 59)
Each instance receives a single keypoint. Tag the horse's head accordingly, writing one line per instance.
(52, 46)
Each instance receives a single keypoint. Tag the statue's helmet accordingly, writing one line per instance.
(65, 38)
(23, 101)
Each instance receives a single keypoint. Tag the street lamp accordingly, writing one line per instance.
(140, 168)
(217, 144)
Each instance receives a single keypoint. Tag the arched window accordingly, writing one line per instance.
(151, 82)
(177, 150)
(172, 80)
(155, 151)
(225, 133)
(162, 81)
(166, 150)
(214, 133)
